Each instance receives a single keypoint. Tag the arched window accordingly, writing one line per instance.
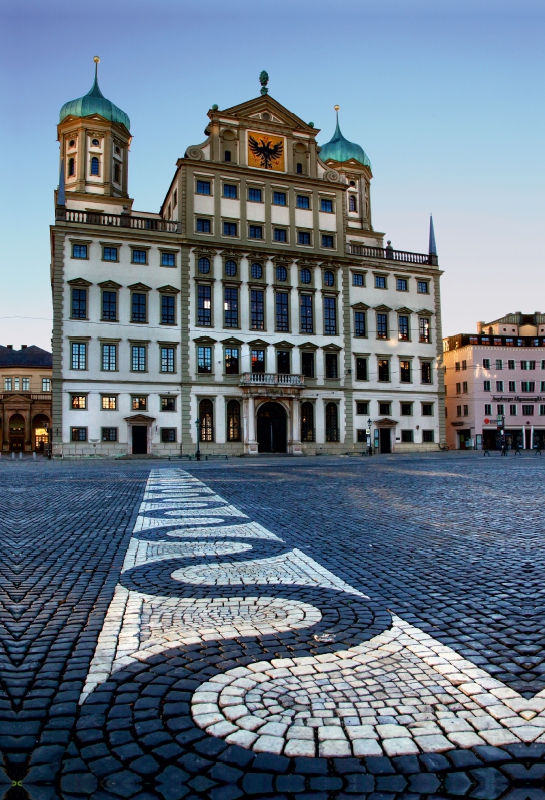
(305, 275)
(206, 417)
(307, 422)
(331, 423)
(233, 421)
(94, 165)
(117, 173)
(256, 271)
(71, 167)
(352, 202)
(204, 265)
(281, 274)
(230, 268)
(329, 278)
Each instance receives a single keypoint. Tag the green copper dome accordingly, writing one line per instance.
(340, 149)
(94, 102)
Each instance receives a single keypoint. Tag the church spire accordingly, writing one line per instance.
(432, 249)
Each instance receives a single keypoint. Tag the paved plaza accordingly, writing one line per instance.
(279, 627)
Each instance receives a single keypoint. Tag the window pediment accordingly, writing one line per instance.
(425, 312)
(109, 285)
(79, 282)
(404, 310)
(139, 287)
(383, 308)
(168, 289)
(360, 307)
(205, 340)
(332, 348)
(258, 343)
(284, 345)
(232, 342)
(308, 346)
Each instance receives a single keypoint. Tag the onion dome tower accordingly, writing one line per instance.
(94, 136)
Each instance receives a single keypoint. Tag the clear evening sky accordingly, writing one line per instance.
(445, 97)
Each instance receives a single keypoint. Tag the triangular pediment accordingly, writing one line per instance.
(284, 345)
(232, 342)
(404, 310)
(17, 399)
(252, 111)
(258, 343)
(308, 346)
(79, 282)
(143, 419)
(424, 311)
(139, 287)
(109, 285)
(385, 422)
(360, 307)
(332, 348)
(205, 340)
(168, 289)
(383, 308)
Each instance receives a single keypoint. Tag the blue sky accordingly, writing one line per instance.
(445, 97)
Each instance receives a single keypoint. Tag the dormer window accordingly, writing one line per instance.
(71, 167)
(95, 143)
(94, 166)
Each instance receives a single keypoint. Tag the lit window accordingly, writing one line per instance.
(403, 325)
(424, 330)
(139, 403)
(206, 417)
(405, 372)
(109, 402)
(78, 434)
(78, 401)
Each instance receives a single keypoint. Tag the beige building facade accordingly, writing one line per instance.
(258, 311)
(25, 399)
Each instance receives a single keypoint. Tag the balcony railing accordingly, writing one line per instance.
(391, 254)
(116, 220)
(271, 379)
(33, 395)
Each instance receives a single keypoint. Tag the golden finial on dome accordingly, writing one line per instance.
(337, 108)
(96, 59)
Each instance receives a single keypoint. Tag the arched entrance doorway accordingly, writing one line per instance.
(17, 433)
(271, 428)
(40, 436)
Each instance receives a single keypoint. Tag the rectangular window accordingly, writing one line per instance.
(109, 357)
(109, 402)
(280, 235)
(204, 360)
(279, 198)
(384, 408)
(380, 282)
(361, 369)
(79, 356)
(500, 408)
(357, 280)
(168, 260)
(512, 386)
(230, 307)
(361, 435)
(78, 401)
(512, 410)
(528, 365)
(230, 190)
(527, 386)
(402, 285)
(499, 363)
(306, 316)
(464, 364)
(109, 434)
(205, 226)
(139, 256)
(255, 232)
(405, 371)
(231, 360)
(542, 386)
(464, 387)
(383, 369)
(254, 195)
(138, 359)
(527, 411)
(168, 404)
(326, 205)
(406, 436)
(331, 368)
(330, 316)
(488, 408)
(168, 435)
(422, 287)
(79, 304)
(511, 364)
(26, 384)
(168, 316)
(8, 384)
(139, 403)
(46, 385)
(138, 307)
(427, 409)
(204, 305)
(78, 434)
(457, 366)
(203, 187)
(257, 310)
(79, 251)
(282, 316)
(486, 386)
(424, 330)
(425, 370)
(283, 362)
(403, 326)
(458, 411)
(362, 408)
(486, 363)
(167, 359)
(406, 409)
(229, 228)
(109, 253)
(466, 411)
(382, 326)
(458, 388)
(359, 324)
(428, 436)
(109, 306)
(258, 361)
(303, 201)
(307, 364)
(303, 238)
(542, 410)
(327, 241)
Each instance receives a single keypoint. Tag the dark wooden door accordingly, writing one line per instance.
(385, 440)
(271, 428)
(139, 439)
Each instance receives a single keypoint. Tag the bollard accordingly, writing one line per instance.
(20, 456)
(12, 456)
(34, 456)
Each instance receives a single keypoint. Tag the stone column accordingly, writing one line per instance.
(251, 444)
(296, 448)
(28, 432)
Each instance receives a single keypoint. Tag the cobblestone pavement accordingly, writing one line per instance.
(316, 628)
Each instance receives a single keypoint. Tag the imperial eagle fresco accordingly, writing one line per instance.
(265, 151)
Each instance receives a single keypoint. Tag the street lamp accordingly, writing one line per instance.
(368, 433)
(198, 453)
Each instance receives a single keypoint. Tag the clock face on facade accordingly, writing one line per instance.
(265, 152)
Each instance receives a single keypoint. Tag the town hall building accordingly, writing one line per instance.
(259, 311)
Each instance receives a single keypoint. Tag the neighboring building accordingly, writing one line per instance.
(497, 372)
(25, 398)
(259, 306)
